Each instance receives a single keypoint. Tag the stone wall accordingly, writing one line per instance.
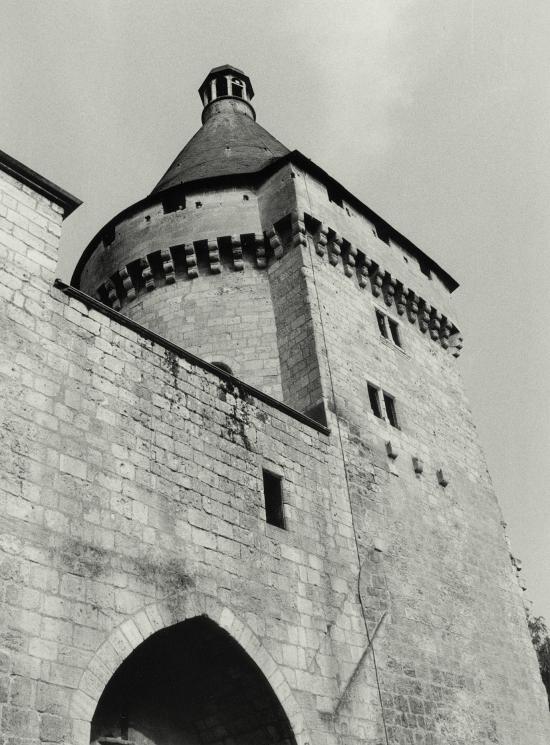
(443, 590)
(226, 317)
(190, 684)
(131, 500)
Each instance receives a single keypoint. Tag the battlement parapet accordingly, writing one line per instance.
(256, 250)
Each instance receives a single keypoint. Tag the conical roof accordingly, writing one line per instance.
(229, 143)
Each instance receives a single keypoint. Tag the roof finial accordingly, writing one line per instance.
(226, 87)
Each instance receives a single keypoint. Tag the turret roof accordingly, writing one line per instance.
(229, 143)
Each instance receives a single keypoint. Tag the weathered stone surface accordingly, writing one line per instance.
(131, 492)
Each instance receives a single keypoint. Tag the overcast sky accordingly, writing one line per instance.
(436, 114)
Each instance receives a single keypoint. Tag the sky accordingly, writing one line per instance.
(434, 112)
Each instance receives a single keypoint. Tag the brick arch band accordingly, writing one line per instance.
(157, 616)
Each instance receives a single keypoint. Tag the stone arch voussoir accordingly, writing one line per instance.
(157, 616)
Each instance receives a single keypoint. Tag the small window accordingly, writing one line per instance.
(425, 269)
(273, 497)
(124, 726)
(335, 197)
(383, 232)
(237, 88)
(374, 397)
(384, 323)
(389, 403)
(108, 235)
(381, 320)
(173, 201)
(394, 331)
(221, 86)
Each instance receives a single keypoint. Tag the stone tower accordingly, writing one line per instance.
(243, 496)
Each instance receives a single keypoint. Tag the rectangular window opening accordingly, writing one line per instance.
(374, 397)
(273, 497)
(335, 197)
(173, 201)
(424, 268)
(221, 86)
(108, 235)
(394, 330)
(383, 232)
(381, 320)
(389, 403)
(237, 88)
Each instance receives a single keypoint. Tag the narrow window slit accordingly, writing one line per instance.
(374, 397)
(273, 498)
(381, 320)
(394, 330)
(389, 403)
(108, 235)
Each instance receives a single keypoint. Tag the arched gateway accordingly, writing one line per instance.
(163, 678)
(190, 684)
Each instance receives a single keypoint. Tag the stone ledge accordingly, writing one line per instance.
(39, 184)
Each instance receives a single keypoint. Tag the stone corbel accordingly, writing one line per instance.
(298, 229)
(376, 277)
(191, 261)
(127, 283)
(445, 332)
(168, 266)
(322, 241)
(418, 465)
(455, 342)
(275, 243)
(391, 450)
(335, 249)
(388, 289)
(214, 256)
(147, 274)
(435, 324)
(412, 306)
(351, 260)
(364, 269)
(442, 478)
(259, 243)
(112, 294)
(424, 317)
(237, 251)
(400, 300)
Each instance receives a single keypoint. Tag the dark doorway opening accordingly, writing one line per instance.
(190, 684)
